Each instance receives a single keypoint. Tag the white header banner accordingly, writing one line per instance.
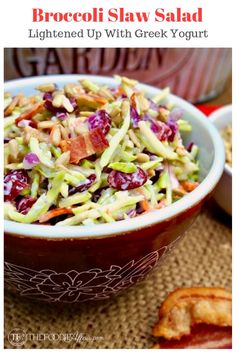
(113, 23)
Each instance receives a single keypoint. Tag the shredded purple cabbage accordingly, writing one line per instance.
(173, 128)
(176, 114)
(135, 117)
(100, 119)
(161, 129)
(30, 160)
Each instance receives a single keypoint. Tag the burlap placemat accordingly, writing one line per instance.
(203, 258)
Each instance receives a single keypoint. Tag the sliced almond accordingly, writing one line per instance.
(105, 92)
(64, 133)
(73, 90)
(13, 148)
(55, 135)
(163, 114)
(60, 100)
(47, 124)
(134, 138)
(181, 151)
(46, 87)
(86, 113)
(91, 101)
(141, 157)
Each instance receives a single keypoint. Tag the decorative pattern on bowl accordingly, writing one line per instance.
(73, 286)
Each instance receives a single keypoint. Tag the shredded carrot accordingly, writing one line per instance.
(132, 100)
(119, 92)
(30, 113)
(32, 99)
(145, 205)
(12, 105)
(53, 213)
(161, 204)
(189, 186)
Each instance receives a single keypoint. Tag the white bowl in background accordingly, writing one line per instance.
(221, 118)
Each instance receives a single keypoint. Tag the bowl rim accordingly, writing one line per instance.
(143, 220)
(218, 115)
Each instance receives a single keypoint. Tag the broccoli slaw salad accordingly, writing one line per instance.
(86, 154)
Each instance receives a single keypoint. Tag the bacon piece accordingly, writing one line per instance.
(85, 145)
(30, 113)
(202, 336)
(186, 307)
(195, 318)
(9, 109)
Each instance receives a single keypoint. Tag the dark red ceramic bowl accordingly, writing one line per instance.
(80, 263)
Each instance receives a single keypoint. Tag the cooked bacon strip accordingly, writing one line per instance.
(202, 337)
(186, 307)
(85, 145)
(9, 109)
(53, 213)
(30, 113)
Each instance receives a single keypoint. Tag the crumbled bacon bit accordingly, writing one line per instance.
(85, 145)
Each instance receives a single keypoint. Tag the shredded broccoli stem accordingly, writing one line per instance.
(75, 199)
(107, 154)
(35, 185)
(156, 146)
(41, 206)
(96, 213)
(35, 148)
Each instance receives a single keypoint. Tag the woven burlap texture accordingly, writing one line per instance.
(203, 258)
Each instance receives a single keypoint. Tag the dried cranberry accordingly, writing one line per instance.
(97, 194)
(24, 204)
(6, 140)
(83, 186)
(174, 129)
(124, 181)
(190, 146)
(100, 119)
(14, 183)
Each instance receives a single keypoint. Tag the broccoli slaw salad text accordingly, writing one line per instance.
(87, 154)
